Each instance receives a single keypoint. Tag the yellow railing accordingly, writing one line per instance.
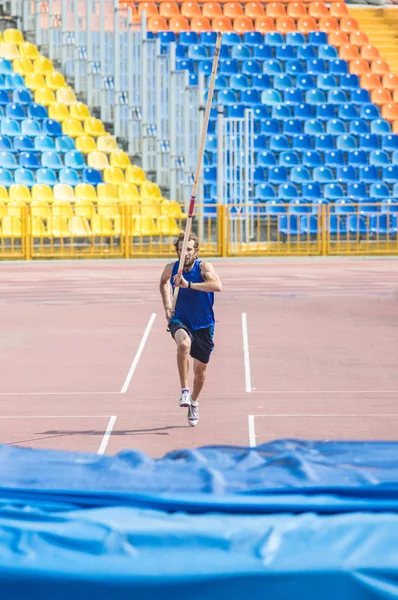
(104, 229)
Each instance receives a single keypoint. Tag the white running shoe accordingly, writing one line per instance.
(185, 400)
(193, 415)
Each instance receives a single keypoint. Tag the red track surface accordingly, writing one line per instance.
(323, 345)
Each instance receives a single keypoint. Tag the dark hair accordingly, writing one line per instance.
(192, 238)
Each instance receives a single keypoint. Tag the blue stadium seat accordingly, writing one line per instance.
(299, 206)
(210, 145)
(338, 67)
(315, 96)
(229, 67)
(395, 157)
(369, 141)
(360, 96)
(390, 174)
(193, 79)
(295, 38)
(272, 67)
(237, 111)
(334, 158)
(335, 127)
(369, 111)
(316, 66)
(210, 175)
(264, 191)
(304, 111)
(332, 191)
(262, 52)
(22, 96)
(281, 111)
(379, 224)
(336, 225)
(8, 161)
(289, 158)
(344, 207)
(46, 176)
(306, 52)
(327, 52)
(205, 66)
(389, 205)
(271, 97)
(31, 127)
(4, 98)
(380, 127)
(358, 157)
(359, 127)
(293, 96)
(258, 176)
(266, 159)
(379, 190)
(74, 159)
(227, 97)
(279, 143)
(325, 111)
(356, 190)
(191, 37)
(274, 38)
(251, 67)
(395, 190)
(29, 160)
(69, 176)
(314, 127)
(300, 175)
(196, 52)
(318, 38)
(270, 127)
(379, 158)
(277, 175)
(292, 127)
(23, 143)
(24, 176)
(348, 112)
(5, 143)
(14, 80)
(44, 143)
(261, 112)
(181, 52)
(324, 142)
(64, 143)
(37, 111)
(323, 175)
(6, 178)
(285, 52)
(288, 225)
(275, 207)
(302, 142)
(250, 97)
(312, 159)
(10, 128)
(346, 174)
(311, 191)
(294, 67)
(337, 97)
(282, 82)
(166, 37)
(346, 142)
(306, 82)
(349, 82)
(369, 174)
(241, 52)
(230, 38)
(356, 224)
(253, 38)
(390, 142)
(327, 82)
(309, 225)
(52, 160)
(5, 66)
(287, 191)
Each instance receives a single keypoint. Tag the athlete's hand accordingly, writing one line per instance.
(180, 282)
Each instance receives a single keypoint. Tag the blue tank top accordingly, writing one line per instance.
(194, 309)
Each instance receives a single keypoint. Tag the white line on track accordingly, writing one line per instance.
(252, 431)
(246, 355)
(323, 415)
(57, 393)
(54, 417)
(285, 392)
(107, 435)
(138, 354)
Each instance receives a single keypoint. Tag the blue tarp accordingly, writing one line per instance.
(289, 519)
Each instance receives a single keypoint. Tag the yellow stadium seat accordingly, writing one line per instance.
(59, 112)
(19, 192)
(175, 210)
(13, 36)
(128, 192)
(108, 208)
(84, 208)
(79, 227)
(9, 51)
(144, 226)
(38, 228)
(11, 227)
(16, 208)
(55, 80)
(40, 209)
(43, 66)
(120, 159)
(62, 209)
(167, 226)
(27, 50)
(79, 111)
(66, 95)
(151, 209)
(107, 144)
(107, 191)
(94, 127)
(58, 227)
(85, 191)
(23, 66)
(85, 143)
(3, 209)
(135, 175)
(45, 97)
(35, 82)
(41, 191)
(101, 226)
(97, 160)
(3, 193)
(113, 175)
(63, 191)
(150, 191)
(72, 127)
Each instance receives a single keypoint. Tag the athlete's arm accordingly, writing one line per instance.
(211, 283)
(165, 289)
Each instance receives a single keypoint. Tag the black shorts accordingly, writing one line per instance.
(202, 344)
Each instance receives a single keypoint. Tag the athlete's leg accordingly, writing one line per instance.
(183, 342)
(200, 371)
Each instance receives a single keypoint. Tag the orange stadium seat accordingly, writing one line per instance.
(338, 38)
(264, 24)
(307, 24)
(369, 52)
(348, 52)
(359, 67)
(329, 24)
(190, 9)
(150, 9)
(389, 112)
(395, 95)
(339, 10)
(243, 24)
(212, 10)
(233, 10)
(157, 24)
(390, 81)
(275, 10)
(380, 67)
(199, 24)
(370, 81)
(254, 10)
(285, 24)
(381, 96)
(179, 23)
(348, 24)
(318, 10)
(222, 24)
(168, 9)
(359, 38)
(296, 10)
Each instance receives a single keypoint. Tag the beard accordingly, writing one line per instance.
(189, 262)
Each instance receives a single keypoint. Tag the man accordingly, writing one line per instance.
(192, 325)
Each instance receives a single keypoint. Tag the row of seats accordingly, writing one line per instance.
(256, 38)
(32, 127)
(86, 144)
(342, 228)
(42, 157)
(329, 192)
